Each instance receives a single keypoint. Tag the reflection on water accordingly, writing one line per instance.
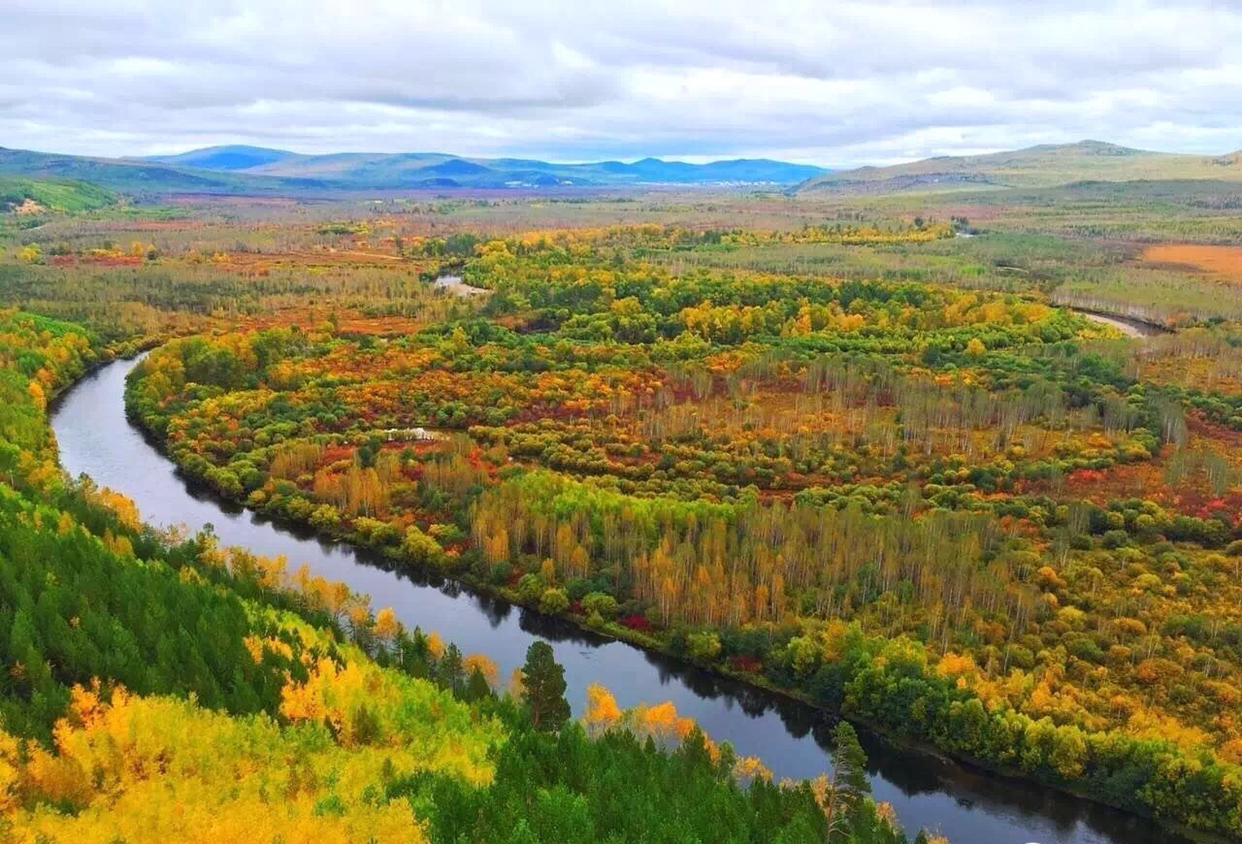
(968, 805)
(455, 285)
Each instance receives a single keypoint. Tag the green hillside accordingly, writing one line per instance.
(138, 177)
(1036, 167)
(54, 196)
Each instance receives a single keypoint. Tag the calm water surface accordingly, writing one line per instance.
(968, 805)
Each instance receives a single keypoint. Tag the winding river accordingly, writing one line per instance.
(968, 805)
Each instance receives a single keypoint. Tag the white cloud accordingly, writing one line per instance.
(839, 83)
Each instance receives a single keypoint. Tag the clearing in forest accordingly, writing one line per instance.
(1222, 262)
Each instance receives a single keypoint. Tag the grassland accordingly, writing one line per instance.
(1098, 245)
(1035, 167)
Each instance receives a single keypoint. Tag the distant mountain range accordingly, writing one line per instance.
(257, 170)
(242, 169)
(1035, 167)
(440, 170)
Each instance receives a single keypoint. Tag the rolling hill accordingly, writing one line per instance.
(133, 176)
(229, 158)
(1035, 167)
(257, 170)
(30, 195)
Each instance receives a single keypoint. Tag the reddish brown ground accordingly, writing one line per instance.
(1221, 262)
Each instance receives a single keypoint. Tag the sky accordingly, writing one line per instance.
(823, 82)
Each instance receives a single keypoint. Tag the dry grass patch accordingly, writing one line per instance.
(1222, 262)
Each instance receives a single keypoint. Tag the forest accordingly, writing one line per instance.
(158, 687)
(859, 453)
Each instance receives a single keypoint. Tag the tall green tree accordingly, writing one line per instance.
(544, 679)
(850, 767)
(477, 687)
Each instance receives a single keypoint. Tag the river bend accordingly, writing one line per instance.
(968, 805)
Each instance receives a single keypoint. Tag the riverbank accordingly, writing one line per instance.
(667, 646)
(1128, 326)
(81, 553)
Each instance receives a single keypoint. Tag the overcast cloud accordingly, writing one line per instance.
(817, 81)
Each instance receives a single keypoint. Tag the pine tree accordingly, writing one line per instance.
(477, 687)
(449, 670)
(544, 680)
(850, 766)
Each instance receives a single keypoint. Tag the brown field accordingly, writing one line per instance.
(1222, 262)
(317, 257)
